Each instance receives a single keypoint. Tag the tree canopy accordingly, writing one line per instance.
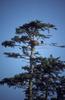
(41, 75)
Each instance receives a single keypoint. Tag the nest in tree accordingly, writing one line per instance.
(34, 42)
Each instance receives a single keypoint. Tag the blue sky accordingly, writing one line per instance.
(14, 13)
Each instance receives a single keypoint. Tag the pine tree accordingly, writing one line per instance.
(48, 78)
(27, 38)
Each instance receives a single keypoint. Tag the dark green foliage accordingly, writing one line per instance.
(45, 75)
(12, 54)
(20, 39)
(41, 74)
(8, 43)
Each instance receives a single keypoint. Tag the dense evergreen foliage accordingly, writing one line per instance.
(41, 77)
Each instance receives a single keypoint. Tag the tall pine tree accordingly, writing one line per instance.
(39, 75)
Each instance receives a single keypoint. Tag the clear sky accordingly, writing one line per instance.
(17, 12)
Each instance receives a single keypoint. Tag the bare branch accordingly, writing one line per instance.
(57, 45)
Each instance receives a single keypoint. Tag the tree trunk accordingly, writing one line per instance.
(30, 89)
(46, 95)
(31, 72)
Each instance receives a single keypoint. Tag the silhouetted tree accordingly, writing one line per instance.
(47, 78)
(39, 74)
